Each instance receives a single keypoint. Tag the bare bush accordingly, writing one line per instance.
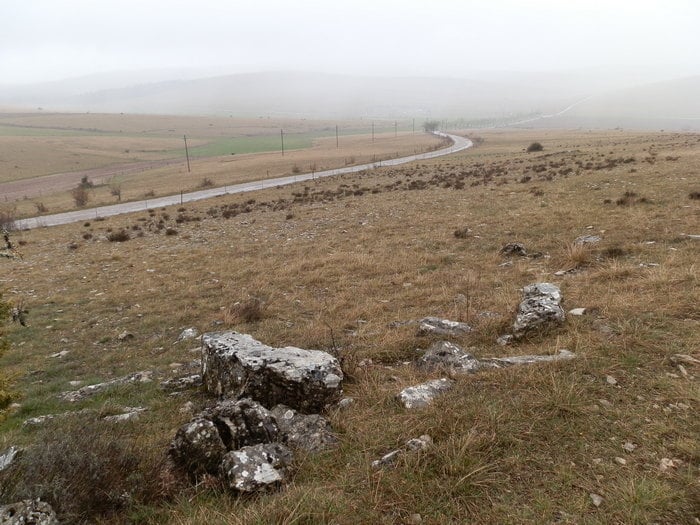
(80, 195)
(535, 146)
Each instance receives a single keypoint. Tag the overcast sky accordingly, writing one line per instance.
(55, 39)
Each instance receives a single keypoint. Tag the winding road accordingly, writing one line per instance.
(458, 144)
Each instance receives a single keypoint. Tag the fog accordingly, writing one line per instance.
(46, 40)
(511, 56)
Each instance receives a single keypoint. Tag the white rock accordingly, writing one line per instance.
(596, 499)
(577, 311)
(422, 395)
(621, 461)
(610, 380)
(629, 447)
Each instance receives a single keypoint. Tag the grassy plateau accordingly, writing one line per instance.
(332, 263)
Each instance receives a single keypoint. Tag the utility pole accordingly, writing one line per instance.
(282, 137)
(373, 131)
(187, 154)
(337, 145)
(395, 130)
(414, 126)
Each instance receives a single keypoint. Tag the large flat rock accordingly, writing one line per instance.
(235, 364)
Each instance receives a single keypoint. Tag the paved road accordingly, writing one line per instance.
(459, 144)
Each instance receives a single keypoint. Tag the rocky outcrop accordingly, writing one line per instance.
(235, 364)
(28, 512)
(449, 356)
(540, 307)
(256, 467)
(91, 390)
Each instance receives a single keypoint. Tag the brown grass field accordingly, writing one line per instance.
(334, 262)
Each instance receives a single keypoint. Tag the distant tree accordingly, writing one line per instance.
(80, 195)
(431, 126)
(535, 146)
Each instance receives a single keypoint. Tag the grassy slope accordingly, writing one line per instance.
(338, 260)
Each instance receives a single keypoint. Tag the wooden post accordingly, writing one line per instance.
(187, 154)
(282, 138)
(336, 137)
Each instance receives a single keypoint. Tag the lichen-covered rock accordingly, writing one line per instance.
(28, 512)
(312, 433)
(8, 457)
(242, 423)
(422, 395)
(198, 447)
(446, 355)
(257, 467)
(444, 327)
(236, 364)
(177, 384)
(541, 306)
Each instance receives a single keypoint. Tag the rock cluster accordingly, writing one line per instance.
(28, 512)
(248, 438)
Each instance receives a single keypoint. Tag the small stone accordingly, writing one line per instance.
(577, 311)
(620, 461)
(597, 461)
(420, 443)
(605, 403)
(188, 333)
(667, 464)
(514, 248)
(124, 336)
(8, 457)
(682, 370)
(387, 459)
(587, 239)
(629, 447)
(60, 354)
(685, 359)
(415, 519)
(444, 327)
(345, 403)
(596, 499)
(187, 408)
(505, 340)
(422, 395)
(610, 380)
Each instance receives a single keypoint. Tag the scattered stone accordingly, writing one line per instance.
(28, 512)
(596, 499)
(130, 414)
(312, 433)
(40, 420)
(577, 311)
(610, 380)
(415, 519)
(587, 239)
(256, 467)
(505, 340)
(124, 336)
(177, 384)
(514, 248)
(620, 461)
(605, 403)
(387, 459)
(187, 408)
(667, 464)
(91, 390)
(682, 370)
(237, 364)
(685, 359)
(422, 395)
(346, 402)
(498, 362)
(75, 383)
(418, 444)
(7, 457)
(62, 353)
(629, 447)
(443, 327)
(188, 333)
(541, 306)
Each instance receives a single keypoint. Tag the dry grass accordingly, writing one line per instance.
(511, 446)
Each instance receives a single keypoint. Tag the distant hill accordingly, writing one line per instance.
(611, 99)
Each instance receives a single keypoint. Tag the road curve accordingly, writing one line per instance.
(458, 144)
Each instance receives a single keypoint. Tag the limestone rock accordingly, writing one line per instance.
(28, 512)
(177, 384)
(422, 395)
(91, 390)
(418, 444)
(587, 239)
(8, 457)
(444, 327)
(312, 433)
(540, 307)
(130, 414)
(561, 355)
(188, 333)
(242, 423)
(514, 248)
(447, 355)
(198, 447)
(257, 467)
(236, 364)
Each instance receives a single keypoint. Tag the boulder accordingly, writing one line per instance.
(540, 307)
(422, 395)
(443, 327)
(312, 433)
(236, 364)
(28, 512)
(257, 467)
(446, 355)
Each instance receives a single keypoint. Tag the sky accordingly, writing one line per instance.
(45, 40)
